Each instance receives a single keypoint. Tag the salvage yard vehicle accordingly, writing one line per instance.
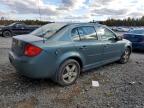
(16, 29)
(136, 37)
(61, 51)
(121, 29)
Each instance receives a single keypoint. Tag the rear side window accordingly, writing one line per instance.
(87, 33)
(104, 33)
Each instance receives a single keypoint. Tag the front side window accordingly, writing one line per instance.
(75, 34)
(87, 33)
(19, 25)
(104, 33)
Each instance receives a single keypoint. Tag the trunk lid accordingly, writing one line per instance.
(19, 42)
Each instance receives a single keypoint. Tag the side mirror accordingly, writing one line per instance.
(119, 38)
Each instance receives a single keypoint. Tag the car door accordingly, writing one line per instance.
(18, 29)
(26, 29)
(87, 44)
(112, 48)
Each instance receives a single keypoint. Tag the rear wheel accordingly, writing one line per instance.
(7, 34)
(126, 55)
(68, 72)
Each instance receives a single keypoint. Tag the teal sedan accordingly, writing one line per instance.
(61, 51)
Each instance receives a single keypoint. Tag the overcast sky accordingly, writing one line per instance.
(71, 10)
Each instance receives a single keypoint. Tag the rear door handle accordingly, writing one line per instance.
(83, 47)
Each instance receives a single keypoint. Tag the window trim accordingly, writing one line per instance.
(77, 32)
(99, 38)
(80, 36)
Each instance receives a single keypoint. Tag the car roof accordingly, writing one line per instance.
(84, 23)
(80, 23)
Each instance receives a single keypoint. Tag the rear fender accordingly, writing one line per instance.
(129, 44)
(65, 57)
(69, 55)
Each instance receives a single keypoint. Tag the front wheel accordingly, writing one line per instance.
(7, 34)
(68, 72)
(126, 55)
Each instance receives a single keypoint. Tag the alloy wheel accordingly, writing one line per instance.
(126, 55)
(70, 73)
(7, 34)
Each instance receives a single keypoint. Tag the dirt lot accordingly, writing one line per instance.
(121, 86)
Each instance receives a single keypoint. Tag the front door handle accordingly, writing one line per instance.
(83, 47)
(106, 45)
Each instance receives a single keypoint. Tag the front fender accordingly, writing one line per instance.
(7, 29)
(128, 44)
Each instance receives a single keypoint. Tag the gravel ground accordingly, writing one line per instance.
(121, 86)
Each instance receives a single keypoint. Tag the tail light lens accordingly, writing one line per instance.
(31, 50)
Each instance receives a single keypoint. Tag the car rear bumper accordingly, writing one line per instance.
(32, 68)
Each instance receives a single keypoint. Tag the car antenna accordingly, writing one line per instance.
(39, 10)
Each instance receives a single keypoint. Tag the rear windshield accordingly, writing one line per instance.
(48, 30)
(137, 32)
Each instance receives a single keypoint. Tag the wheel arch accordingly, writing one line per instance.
(7, 30)
(74, 56)
(67, 56)
(130, 48)
(129, 45)
(77, 59)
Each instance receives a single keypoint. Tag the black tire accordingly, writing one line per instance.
(7, 33)
(65, 77)
(125, 57)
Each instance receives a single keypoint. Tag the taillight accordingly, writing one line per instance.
(31, 50)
